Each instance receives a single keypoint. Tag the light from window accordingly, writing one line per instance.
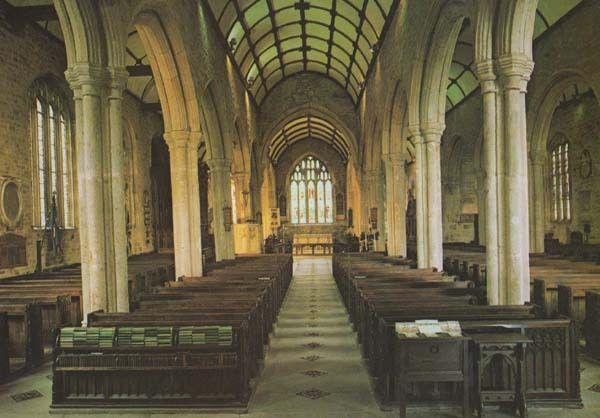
(41, 161)
(65, 172)
(561, 183)
(311, 193)
(52, 158)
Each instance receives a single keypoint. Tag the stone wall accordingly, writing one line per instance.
(578, 122)
(565, 50)
(27, 55)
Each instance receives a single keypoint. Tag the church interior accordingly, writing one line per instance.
(292, 208)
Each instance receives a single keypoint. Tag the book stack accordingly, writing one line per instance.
(205, 335)
(87, 337)
(131, 337)
(225, 335)
(158, 337)
(107, 337)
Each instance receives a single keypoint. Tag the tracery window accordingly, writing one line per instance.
(52, 157)
(561, 182)
(311, 193)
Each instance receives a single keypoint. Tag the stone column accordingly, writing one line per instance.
(183, 157)
(115, 173)
(243, 201)
(421, 197)
(515, 72)
(99, 142)
(220, 174)
(370, 187)
(537, 174)
(487, 77)
(432, 136)
(396, 204)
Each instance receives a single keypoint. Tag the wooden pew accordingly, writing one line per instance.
(25, 339)
(245, 294)
(379, 300)
(592, 323)
(4, 347)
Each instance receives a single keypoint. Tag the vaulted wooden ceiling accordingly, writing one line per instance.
(271, 40)
(308, 127)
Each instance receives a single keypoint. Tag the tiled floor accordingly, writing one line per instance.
(313, 367)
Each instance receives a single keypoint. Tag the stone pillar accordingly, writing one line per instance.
(183, 156)
(116, 192)
(487, 77)
(396, 204)
(243, 200)
(432, 136)
(421, 197)
(537, 218)
(220, 174)
(514, 75)
(370, 192)
(99, 141)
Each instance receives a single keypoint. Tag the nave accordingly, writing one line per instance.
(313, 366)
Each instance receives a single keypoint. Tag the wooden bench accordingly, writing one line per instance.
(245, 294)
(378, 298)
(592, 323)
(182, 372)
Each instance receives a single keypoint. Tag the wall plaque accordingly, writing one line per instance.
(373, 218)
(11, 205)
(13, 251)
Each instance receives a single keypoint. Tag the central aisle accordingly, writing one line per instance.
(314, 367)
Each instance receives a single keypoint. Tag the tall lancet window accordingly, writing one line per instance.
(561, 182)
(52, 156)
(311, 193)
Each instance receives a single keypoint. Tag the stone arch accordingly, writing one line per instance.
(515, 21)
(82, 30)
(540, 116)
(172, 73)
(216, 126)
(437, 64)
(394, 133)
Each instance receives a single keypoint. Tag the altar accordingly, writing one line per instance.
(313, 244)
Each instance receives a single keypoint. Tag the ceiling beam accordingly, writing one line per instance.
(33, 13)
(152, 107)
(139, 70)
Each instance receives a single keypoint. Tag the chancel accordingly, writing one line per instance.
(288, 208)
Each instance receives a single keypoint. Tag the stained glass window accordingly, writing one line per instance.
(561, 183)
(52, 157)
(311, 193)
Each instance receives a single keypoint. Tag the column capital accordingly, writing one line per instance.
(118, 77)
(396, 158)
(432, 131)
(85, 78)
(219, 164)
(240, 175)
(370, 175)
(486, 75)
(515, 71)
(182, 139)
(414, 131)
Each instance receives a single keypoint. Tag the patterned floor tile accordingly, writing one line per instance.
(314, 373)
(313, 394)
(26, 396)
